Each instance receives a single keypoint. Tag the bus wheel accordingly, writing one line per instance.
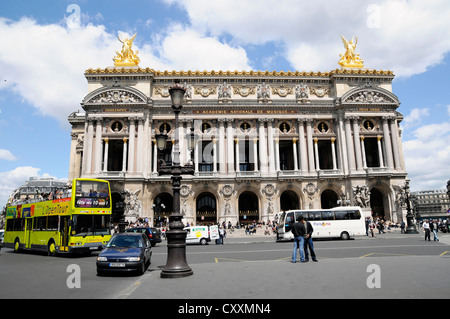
(51, 248)
(16, 245)
(345, 236)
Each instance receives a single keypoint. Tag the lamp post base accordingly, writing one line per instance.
(176, 265)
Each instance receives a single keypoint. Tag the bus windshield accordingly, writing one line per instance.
(92, 194)
(90, 225)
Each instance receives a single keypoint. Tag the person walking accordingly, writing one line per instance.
(308, 241)
(434, 229)
(426, 229)
(299, 231)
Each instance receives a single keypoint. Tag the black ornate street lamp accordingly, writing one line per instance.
(410, 227)
(176, 265)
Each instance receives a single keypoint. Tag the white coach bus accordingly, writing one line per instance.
(339, 222)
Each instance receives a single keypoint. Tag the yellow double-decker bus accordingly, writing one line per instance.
(78, 221)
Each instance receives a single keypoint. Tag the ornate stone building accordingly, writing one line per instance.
(266, 141)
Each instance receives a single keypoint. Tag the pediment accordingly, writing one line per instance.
(369, 95)
(115, 95)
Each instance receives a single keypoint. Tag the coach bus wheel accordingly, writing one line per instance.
(345, 236)
(16, 245)
(51, 248)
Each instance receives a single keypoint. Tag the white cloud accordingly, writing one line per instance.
(45, 64)
(427, 156)
(11, 180)
(6, 155)
(415, 117)
(404, 36)
(186, 49)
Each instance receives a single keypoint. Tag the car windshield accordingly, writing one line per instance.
(125, 241)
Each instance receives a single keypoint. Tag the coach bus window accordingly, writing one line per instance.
(314, 216)
(327, 215)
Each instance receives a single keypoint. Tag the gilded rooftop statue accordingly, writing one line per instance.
(126, 57)
(350, 59)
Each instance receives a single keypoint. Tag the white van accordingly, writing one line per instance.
(201, 234)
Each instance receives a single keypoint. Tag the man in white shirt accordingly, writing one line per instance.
(426, 229)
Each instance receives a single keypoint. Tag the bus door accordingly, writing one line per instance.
(28, 231)
(289, 221)
(64, 232)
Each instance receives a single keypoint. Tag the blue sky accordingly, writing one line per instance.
(47, 45)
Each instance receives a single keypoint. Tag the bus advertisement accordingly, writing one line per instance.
(78, 221)
(339, 222)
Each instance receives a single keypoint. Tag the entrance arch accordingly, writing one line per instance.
(162, 208)
(206, 209)
(328, 199)
(289, 200)
(376, 203)
(248, 208)
(118, 208)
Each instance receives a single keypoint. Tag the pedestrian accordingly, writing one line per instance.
(298, 230)
(221, 235)
(308, 241)
(426, 229)
(434, 229)
(372, 228)
(367, 226)
(402, 227)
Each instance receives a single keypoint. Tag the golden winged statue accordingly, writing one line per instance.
(350, 59)
(126, 57)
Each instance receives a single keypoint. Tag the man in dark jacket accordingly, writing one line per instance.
(299, 231)
(309, 241)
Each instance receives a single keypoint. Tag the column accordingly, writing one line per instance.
(132, 135)
(196, 156)
(236, 142)
(395, 146)
(387, 143)
(342, 145)
(294, 150)
(363, 151)
(262, 147)
(277, 154)
(380, 152)
(255, 154)
(270, 142)
(316, 153)
(333, 153)
(88, 142)
(155, 157)
(309, 141)
(214, 156)
(98, 147)
(105, 156)
(124, 161)
(358, 155)
(140, 145)
(303, 156)
(230, 141)
(222, 167)
(188, 150)
(348, 138)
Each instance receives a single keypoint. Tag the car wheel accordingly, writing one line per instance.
(203, 241)
(142, 268)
